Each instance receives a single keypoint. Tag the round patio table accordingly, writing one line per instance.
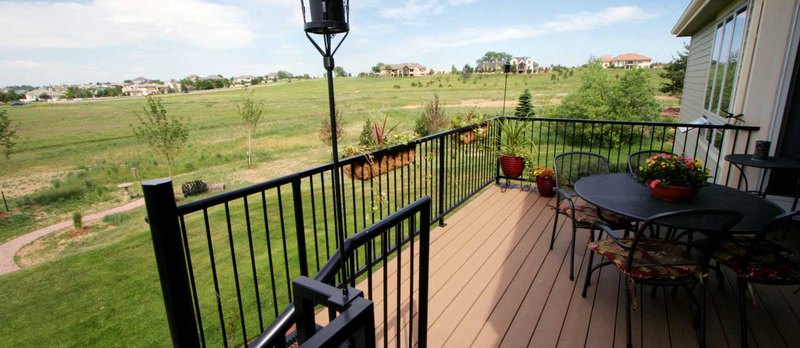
(620, 194)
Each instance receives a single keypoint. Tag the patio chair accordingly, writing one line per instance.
(771, 257)
(570, 167)
(665, 262)
(637, 159)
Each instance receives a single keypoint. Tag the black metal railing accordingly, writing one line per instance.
(238, 252)
(387, 248)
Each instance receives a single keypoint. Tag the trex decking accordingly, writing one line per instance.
(494, 282)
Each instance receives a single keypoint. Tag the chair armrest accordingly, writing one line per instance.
(609, 231)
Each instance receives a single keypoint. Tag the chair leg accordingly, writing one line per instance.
(743, 311)
(555, 227)
(588, 280)
(628, 334)
(572, 254)
(703, 316)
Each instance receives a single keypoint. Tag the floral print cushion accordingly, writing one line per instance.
(656, 257)
(766, 264)
(586, 214)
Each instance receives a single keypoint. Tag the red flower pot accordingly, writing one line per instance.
(546, 186)
(512, 166)
(672, 193)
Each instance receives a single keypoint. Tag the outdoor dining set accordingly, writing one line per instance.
(674, 239)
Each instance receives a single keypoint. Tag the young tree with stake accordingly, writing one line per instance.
(251, 113)
(165, 135)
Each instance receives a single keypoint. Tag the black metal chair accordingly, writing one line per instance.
(680, 259)
(638, 159)
(570, 167)
(771, 257)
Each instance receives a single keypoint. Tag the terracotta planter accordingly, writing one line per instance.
(546, 186)
(672, 193)
(512, 166)
(382, 164)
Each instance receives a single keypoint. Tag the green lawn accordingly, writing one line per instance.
(102, 289)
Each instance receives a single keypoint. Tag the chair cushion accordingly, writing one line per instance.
(767, 264)
(586, 214)
(654, 255)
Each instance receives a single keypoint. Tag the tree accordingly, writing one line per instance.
(492, 56)
(633, 97)
(674, 72)
(524, 105)
(165, 135)
(7, 134)
(250, 111)
(44, 96)
(454, 70)
(339, 72)
(284, 75)
(377, 68)
(467, 71)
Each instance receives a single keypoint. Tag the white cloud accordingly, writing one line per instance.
(564, 23)
(107, 23)
(19, 64)
(413, 9)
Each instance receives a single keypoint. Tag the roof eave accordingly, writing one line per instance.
(696, 15)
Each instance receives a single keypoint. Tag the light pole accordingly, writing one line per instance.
(328, 18)
(506, 70)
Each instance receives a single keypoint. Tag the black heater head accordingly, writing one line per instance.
(507, 67)
(327, 17)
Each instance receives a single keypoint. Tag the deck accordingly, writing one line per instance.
(495, 283)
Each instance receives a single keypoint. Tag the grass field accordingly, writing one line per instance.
(102, 288)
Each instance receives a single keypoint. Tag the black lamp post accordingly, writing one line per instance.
(328, 18)
(506, 70)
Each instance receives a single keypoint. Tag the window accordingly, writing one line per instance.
(723, 70)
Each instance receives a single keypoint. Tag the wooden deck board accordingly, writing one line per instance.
(494, 282)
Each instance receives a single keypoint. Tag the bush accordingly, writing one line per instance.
(115, 219)
(77, 220)
(432, 119)
(325, 130)
(194, 188)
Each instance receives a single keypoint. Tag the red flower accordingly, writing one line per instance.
(654, 183)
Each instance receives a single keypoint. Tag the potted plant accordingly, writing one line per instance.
(673, 178)
(514, 146)
(376, 136)
(545, 181)
(479, 129)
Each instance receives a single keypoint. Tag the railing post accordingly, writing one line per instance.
(299, 223)
(162, 214)
(497, 149)
(441, 180)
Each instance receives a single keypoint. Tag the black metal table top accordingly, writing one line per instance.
(769, 163)
(620, 194)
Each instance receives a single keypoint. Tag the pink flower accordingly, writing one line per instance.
(654, 183)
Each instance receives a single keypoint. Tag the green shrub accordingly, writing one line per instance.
(115, 219)
(77, 220)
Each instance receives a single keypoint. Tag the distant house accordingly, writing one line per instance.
(404, 69)
(214, 77)
(606, 61)
(192, 78)
(145, 89)
(626, 61)
(523, 65)
(140, 80)
(519, 65)
(42, 95)
(243, 79)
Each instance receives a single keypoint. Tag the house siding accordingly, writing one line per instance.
(694, 83)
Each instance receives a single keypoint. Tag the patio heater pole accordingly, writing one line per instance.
(506, 70)
(329, 18)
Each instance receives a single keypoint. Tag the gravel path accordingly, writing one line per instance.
(10, 248)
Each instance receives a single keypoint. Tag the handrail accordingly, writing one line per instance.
(274, 334)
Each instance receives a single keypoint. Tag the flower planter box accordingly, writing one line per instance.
(472, 135)
(374, 166)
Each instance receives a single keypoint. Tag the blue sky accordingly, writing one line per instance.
(112, 40)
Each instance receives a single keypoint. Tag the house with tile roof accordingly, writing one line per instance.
(404, 69)
(626, 61)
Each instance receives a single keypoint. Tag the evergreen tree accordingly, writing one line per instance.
(674, 72)
(524, 105)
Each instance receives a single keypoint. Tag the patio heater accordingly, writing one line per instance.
(327, 19)
(506, 70)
